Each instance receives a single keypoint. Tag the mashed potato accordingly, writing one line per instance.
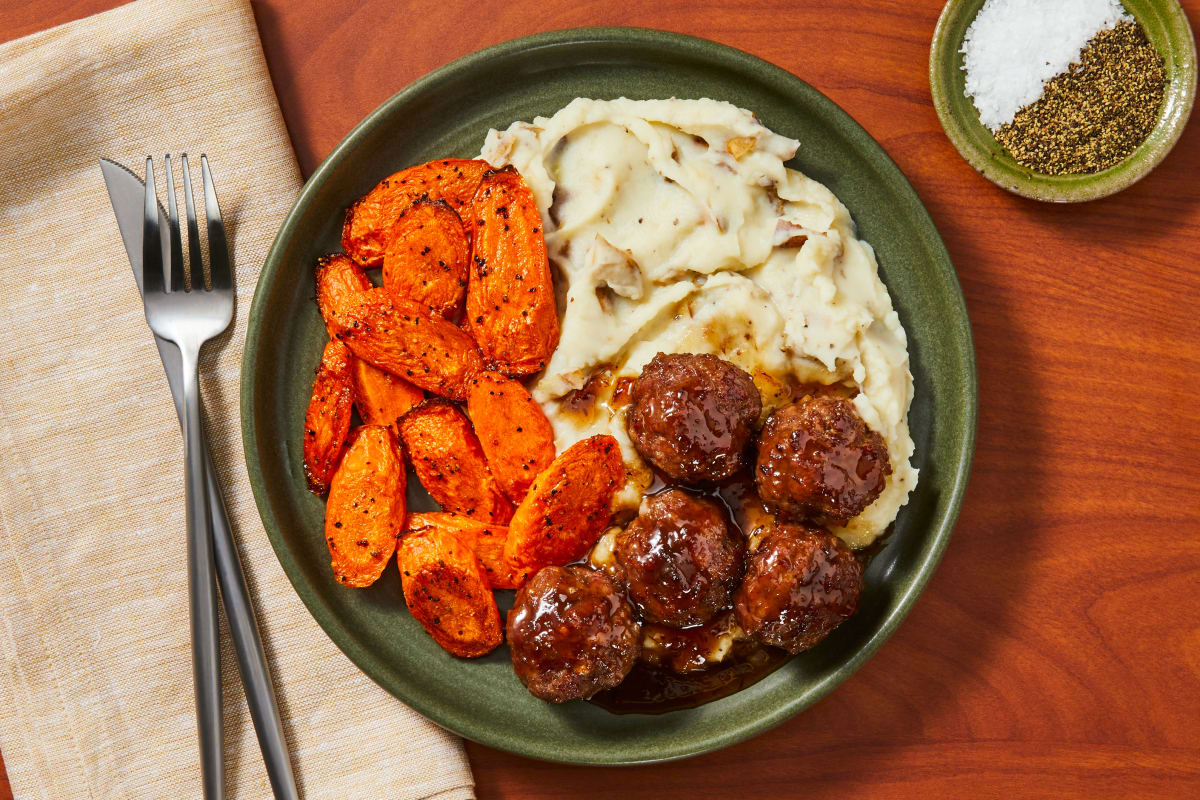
(674, 226)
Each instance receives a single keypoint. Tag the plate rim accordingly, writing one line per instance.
(346, 641)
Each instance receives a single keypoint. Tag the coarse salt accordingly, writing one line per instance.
(1014, 46)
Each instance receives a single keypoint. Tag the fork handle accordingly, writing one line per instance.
(202, 587)
(247, 642)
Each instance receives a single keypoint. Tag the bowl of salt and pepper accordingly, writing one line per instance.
(1063, 100)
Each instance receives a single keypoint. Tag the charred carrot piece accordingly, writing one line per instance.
(401, 337)
(447, 592)
(567, 506)
(365, 510)
(510, 295)
(449, 461)
(380, 397)
(339, 282)
(513, 430)
(426, 259)
(486, 540)
(369, 222)
(327, 420)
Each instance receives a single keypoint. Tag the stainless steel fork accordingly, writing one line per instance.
(189, 317)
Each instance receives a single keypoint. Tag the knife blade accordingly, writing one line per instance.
(127, 194)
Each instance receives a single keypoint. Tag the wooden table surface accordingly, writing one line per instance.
(1056, 652)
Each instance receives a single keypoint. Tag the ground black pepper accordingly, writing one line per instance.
(1095, 114)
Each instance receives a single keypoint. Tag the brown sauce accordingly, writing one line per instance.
(622, 391)
(690, 681)
(584, 401)
(647, 690)
(604, 390)
(797, 389)
(686, 650)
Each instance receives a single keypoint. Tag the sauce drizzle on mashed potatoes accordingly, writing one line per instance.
(675, 227)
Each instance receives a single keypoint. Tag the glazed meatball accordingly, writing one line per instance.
(679, 559)
(571, 634)
(817, 458)
(692, 416)
(800, 584)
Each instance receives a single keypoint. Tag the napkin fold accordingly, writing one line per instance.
(95, 661)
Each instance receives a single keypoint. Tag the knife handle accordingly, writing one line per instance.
(247, 643)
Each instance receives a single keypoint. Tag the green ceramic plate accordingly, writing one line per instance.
(447, 113)
(1167, 28)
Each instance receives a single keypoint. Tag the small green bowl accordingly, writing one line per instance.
(1167, 27)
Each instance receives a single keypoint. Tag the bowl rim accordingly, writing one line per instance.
(1177, 108)
(938, 534)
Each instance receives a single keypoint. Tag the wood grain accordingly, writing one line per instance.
(1056, 652)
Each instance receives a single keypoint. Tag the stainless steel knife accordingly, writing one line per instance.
(127, 193)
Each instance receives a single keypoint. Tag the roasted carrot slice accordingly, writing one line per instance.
(448, 460)
(369, 221)
(447, 592)
(381, 397)
(365, 510)
(327, 420)
(567, 507)
(510, 295)
(426, 257)
(339, 281)
(400, 337)
(513, 430)
(486, 541)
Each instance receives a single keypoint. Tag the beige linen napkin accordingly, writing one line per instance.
(95, 666)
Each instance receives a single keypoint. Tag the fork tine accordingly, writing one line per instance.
(176, 263)
(194, 255)
(219, 268)
(152, 266)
